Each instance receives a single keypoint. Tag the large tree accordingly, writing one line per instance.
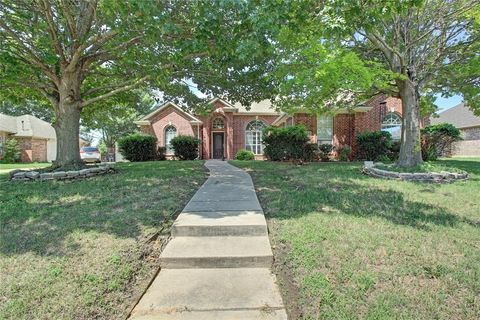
(334, 53)
(78, 53)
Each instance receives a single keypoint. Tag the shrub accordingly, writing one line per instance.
(138, 147)
(437, 140)
(372, 145)
(244, 155)
(325, 151)
(185, 147)
(394, 151)
(11, 151)
(311, 152)
(161, 153)
(285, 143)
(344, 153)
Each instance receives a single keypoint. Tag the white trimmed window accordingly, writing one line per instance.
(392, 123)
(218, 123)
(170, 133)
(324, 129)
(254, 136)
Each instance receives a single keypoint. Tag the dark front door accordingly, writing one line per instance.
(218, 145)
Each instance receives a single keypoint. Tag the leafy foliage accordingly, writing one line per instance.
(344, 152)
(39, 109)
(161, 153)
(138, 147)
(373, 145)
(185, 147)
(310, 152)
(334, 54)
(244, 155)
(11, 151)
(86, 56)
(285, 143)
(437, 140)
(325, 151)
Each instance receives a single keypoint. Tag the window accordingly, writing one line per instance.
(254, 136)
(324, 129)
(218, 123)
(392, 123)
(170, 133)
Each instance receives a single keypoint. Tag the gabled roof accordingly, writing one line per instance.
(27, 126)
(460, 116)
(262, 107)
(146, 119)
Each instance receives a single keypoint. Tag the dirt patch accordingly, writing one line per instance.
(285, 277)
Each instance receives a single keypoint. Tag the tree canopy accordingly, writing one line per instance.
(79, 53)
(333, 54)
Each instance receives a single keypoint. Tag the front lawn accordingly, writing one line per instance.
(7, 167)
(87, 249)
(350, 246)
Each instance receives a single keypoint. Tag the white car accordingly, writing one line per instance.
(90, 154)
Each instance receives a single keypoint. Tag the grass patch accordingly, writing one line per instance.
(7, 167)
(349, 246)
(87, 249)
(423, 168)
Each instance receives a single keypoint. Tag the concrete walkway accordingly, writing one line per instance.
(217, 265)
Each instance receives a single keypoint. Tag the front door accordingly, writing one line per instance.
(218, 145)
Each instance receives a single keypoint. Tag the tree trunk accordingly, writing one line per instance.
(410, 148)
(67, 124)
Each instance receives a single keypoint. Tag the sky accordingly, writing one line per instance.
(447, 103)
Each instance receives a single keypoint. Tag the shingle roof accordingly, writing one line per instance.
(264, 106)
(27, 126)
(460, 116)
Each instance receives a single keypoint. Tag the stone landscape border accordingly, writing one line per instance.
(20, 175)
(370, 169)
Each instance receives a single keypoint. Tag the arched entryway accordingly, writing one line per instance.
(218, 138)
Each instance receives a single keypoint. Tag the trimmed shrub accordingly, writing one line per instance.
(372, 145)
(311, 152)
(394, 151)
(344, 153)
(138, 147)
(161, 153)
(283, 144)
(185, 147)
(325, 151)
(437, 140)
(11, 151)
(244, 155)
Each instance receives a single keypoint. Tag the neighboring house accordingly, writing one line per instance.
(36, 138)
(469, 124)
(229, 128)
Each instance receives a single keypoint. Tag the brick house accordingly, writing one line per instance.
(463, 118)
(229, 128)
(36, 138)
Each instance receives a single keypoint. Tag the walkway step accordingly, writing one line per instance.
(245, 294)
(217, 252)
(226, 223)
(217, 315)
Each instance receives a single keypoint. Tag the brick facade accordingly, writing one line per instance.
(169, 117)
(345, 125)
(32, 149)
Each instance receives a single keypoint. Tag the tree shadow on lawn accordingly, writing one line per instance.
(38, 216)
(341, 194)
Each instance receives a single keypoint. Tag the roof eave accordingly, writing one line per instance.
(142, 122)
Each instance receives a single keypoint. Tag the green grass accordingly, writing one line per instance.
(430, 166)
(87, 249)
(349, 246)
(7, 167)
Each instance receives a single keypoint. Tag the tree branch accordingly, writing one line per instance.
(113, 92)
(52, 30)
(34, 60)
